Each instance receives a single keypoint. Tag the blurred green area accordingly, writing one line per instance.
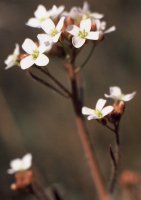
(34, 119)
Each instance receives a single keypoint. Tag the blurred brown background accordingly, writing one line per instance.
(34, 119)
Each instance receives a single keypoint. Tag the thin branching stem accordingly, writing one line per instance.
(43, 82)
(54, 79)
(78, 69)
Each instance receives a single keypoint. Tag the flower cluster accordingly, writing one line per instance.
(67, 30)
(100, 111)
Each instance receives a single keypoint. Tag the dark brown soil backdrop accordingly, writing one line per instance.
(34, 119)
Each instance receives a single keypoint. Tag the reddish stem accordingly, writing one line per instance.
(88, 149)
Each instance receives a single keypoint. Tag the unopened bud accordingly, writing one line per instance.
(22, 180)
(119, 107)
(129, 178)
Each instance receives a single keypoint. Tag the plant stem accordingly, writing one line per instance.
(83, 134)
(115, 158)
(87, 59)
(47, 84)
(58, 83)
(38, 192)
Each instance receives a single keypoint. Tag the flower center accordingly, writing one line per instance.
(53, 32)
(35, 54)
(83, 34)
(99, 113)
(42, 19)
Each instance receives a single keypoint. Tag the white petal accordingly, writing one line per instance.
(27, 62)
(128, 97)
(40, 12)
(85, 25)
(107, 110)
(43, 38)
(108, 96)
(73, 30)
(56, 37)
(111, 29)
(90, 117)
(87, 111)
(17, 49)
(29, 46)
(115, 91)
(48, 25)
(55, 12)
(27, 161)
(93, 35)
(10, 171)
(97, 15)
(86, 7)
(42, 48)
(33, 22)
(100, 104)
(60, 24)
(16, 164)
(10, 62)
(77, 41)
(42, 60)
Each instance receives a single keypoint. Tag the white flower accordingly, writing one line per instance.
(13, 58)
(80, 34)
(117, 95)
(42, 14)
(99, 112)
(86, 13)
(20, 164)
(56, 11)
(101, 27)
(52, 32)
(82, 13)
(35, 54)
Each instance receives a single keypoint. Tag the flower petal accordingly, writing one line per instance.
(60, 24)
(42, 60)
(111, 29)
(115, 91)
(100, 104)
(16, 164)
(87, 111)
(33, 22)
(77, 41)
(40, 12)
(48, 25)
(97, 15)
(86, 7)
(90, 117)
(27, 161)
(17, 49)
(73, 30)
(27, 62)
(56, 37)
(107, 110)
(85, 25)
(128, 97)
(93, 35)
(10, 171)
(29, 46)
(56, 11)
(43, 38)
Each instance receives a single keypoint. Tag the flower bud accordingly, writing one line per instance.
(22, 180)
